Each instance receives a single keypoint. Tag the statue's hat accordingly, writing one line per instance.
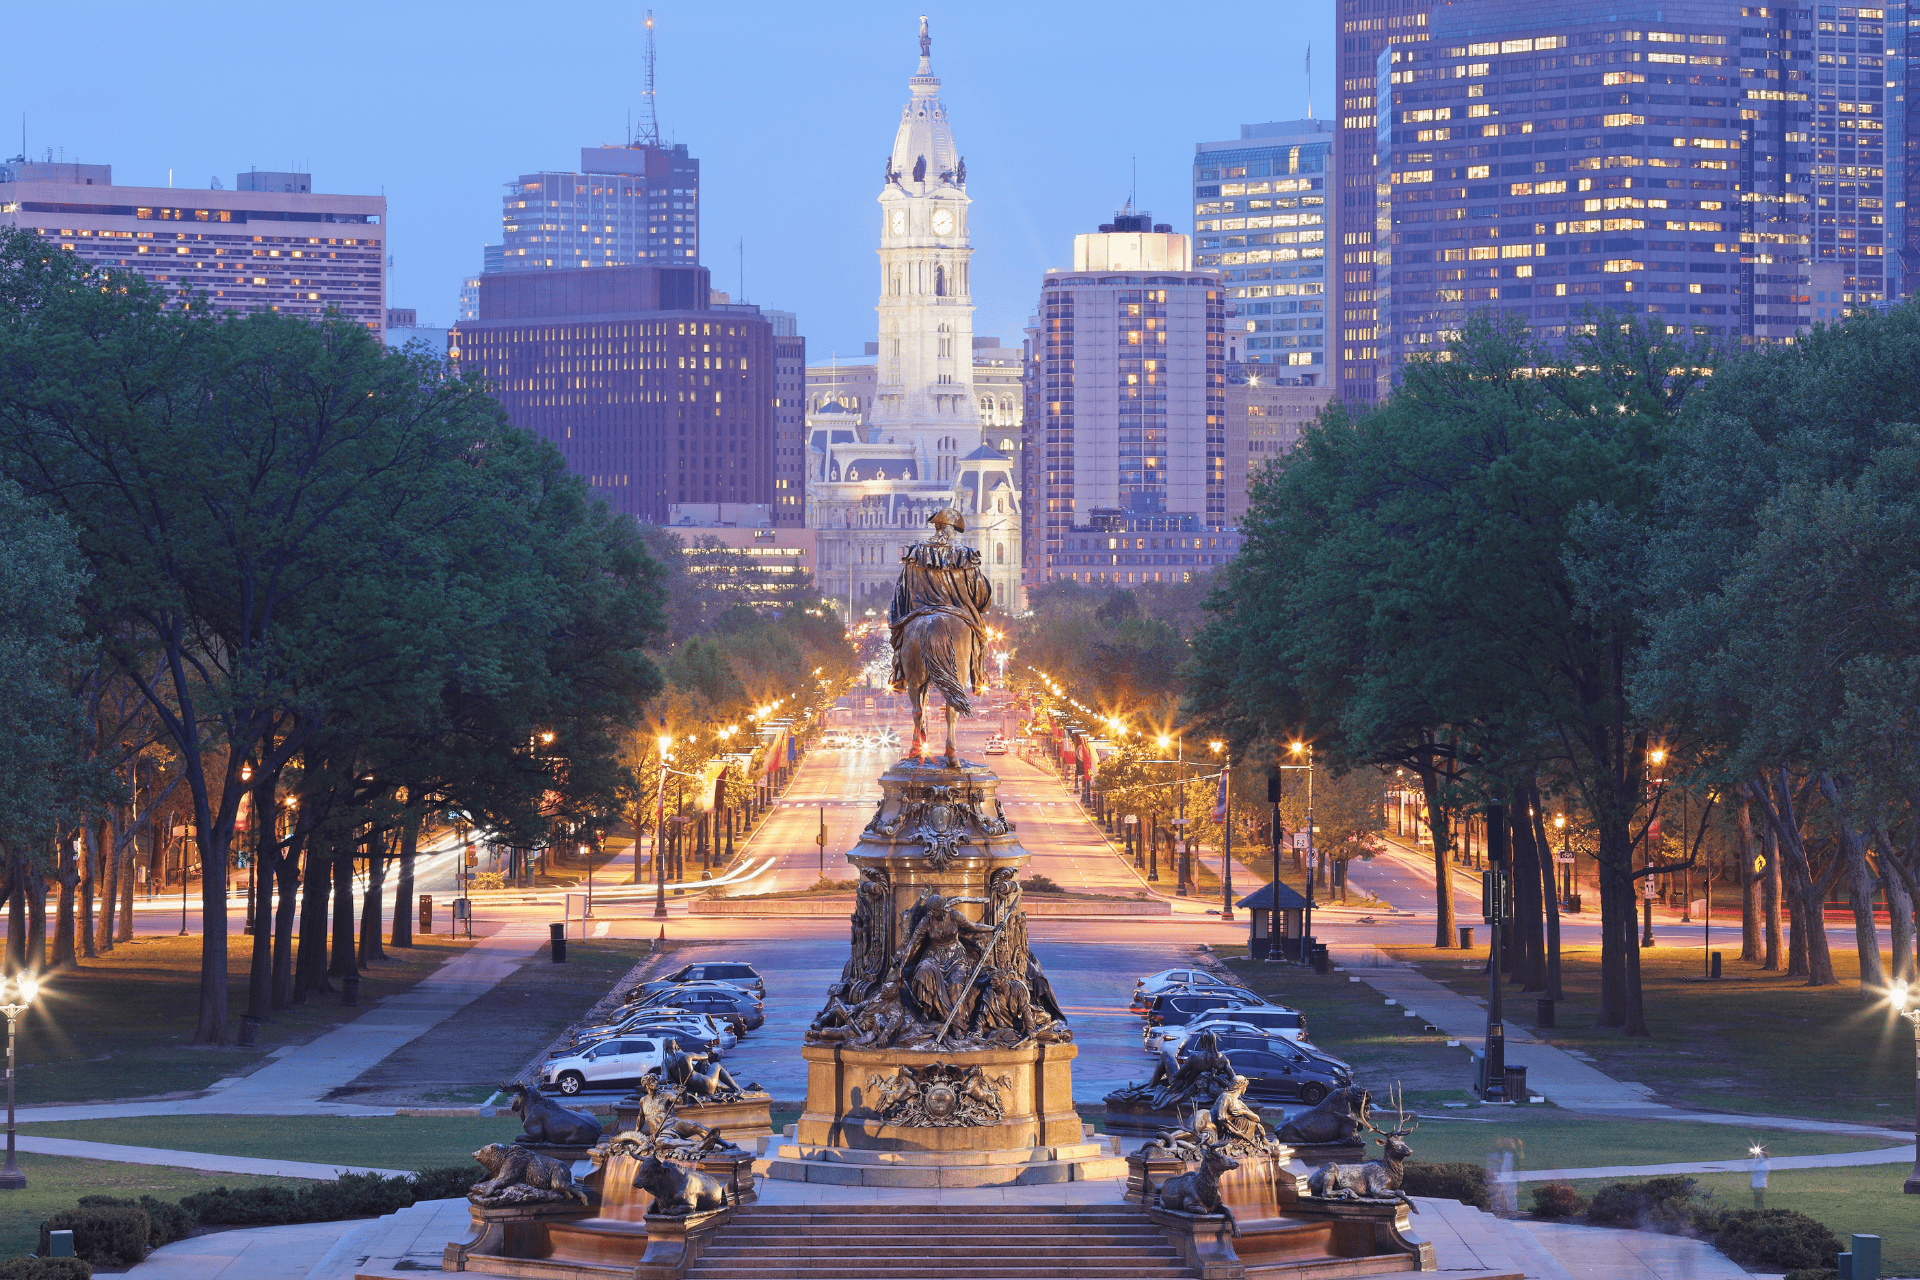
(948, 516)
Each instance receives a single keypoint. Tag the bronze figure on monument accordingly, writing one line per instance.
(938, 624)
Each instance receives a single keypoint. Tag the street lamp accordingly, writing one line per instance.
(1905, 1001)
(24, 990)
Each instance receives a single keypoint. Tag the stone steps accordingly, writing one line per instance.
(988, 1242)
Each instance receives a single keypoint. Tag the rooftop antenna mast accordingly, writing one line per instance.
(649, 118)
(1309, 77)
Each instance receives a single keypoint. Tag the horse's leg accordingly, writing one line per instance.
(953, 761)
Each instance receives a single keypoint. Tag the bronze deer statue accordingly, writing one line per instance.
(1198, 1192)
(1377, 1179)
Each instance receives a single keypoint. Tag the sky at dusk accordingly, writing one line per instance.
(789, 108)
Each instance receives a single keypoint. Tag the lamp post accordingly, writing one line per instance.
(665, 744)
(1302, 751)
(1656, 757)
(1902, 997)
(24, 990)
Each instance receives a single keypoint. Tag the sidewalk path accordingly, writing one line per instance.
(192, 1159)
(1886, 1155)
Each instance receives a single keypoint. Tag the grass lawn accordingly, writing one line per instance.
(1763, 1044)
(1865, 1200)
(1549, 1138)
(56, 1182)
(380, 1142)
(119, 1026)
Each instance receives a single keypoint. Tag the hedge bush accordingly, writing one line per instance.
(1669, 1204)
(46, 1269)
(448, 1182)
(1466, 1183)
(351, 1195)
(1776, 1240)
(1554, 1201)
(107, 1235)
(167, 1221)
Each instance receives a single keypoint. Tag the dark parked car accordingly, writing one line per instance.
(740, 975)
(1277, 1071)
(737, 1007)
(1177, 1008)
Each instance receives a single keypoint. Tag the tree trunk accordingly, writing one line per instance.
(1860, 886)
(1443, 913)
(16, 914)
(1810, 891)
(1530, 968)
(266, 856)
(110, 888)
(124, 854)
(36, 878)
(1770, 901)
(287, 878)
(403, 891)
(311, 976)
(1752, 947)
(89, 876)
(370, 906)
(1900, 917)
(340, 963)
(69, 879)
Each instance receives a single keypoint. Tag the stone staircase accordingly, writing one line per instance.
(906, 1242)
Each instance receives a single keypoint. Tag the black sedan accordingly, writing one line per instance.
(1278, 1071)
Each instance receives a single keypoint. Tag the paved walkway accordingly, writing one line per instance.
(1779, 1164)
(297, 1081)
(190, 1159)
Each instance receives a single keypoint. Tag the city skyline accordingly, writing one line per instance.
(730, 84)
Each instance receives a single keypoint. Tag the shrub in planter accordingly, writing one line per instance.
(107, 1235)
(1466, 1183)
(166, 1220)
(1657, 1204)
(46, 1268)
(1776, 1240)
(1554, 1201)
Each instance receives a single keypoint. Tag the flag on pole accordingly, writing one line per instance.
(1220, 799)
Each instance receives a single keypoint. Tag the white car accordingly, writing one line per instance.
(1167, 979)
(1281, 1022)
(610, 1064)
(996, 746)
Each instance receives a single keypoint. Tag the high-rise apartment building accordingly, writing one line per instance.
(789, 420)
(1265, 418)
(627, 205)
(648, 392)
(1260, 217)
(1130, 374)
(1366, 28)
(1539, 157)
(271, 245)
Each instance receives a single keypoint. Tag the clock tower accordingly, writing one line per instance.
(924, 384)
(920, 448)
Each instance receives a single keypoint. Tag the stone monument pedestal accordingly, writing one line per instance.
(740, 1121)
(1033, 1135)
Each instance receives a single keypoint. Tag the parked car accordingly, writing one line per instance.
(1279, 1071)
(671, 991)
(1177, 1008)
(996, 746)
(709, 1032)
(730, 1003)
(1168, 979)
(611, 1064)
(732, 972)
(1277, 1020)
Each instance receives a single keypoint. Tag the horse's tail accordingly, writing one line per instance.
(951, 687)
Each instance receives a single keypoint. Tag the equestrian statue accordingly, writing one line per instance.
(938, 625)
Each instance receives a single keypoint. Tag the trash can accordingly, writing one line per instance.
(1516, 1083)
(1714, 972)
(350, 990)
(1466, 937)
(1321, 963)
(1543, 1013)
(558, 933)
(426, 913)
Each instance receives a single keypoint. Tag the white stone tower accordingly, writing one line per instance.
(920, 448)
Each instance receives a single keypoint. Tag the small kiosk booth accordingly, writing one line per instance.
(1276, 923)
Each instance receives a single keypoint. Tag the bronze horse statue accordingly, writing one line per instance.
(937, 621)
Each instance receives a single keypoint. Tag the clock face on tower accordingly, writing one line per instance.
(943, 222)
(899, 222)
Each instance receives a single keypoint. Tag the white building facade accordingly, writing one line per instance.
(872, 485)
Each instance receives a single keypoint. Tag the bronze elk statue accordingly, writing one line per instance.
(1376, 1179)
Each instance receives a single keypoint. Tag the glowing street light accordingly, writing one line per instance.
(25, 988)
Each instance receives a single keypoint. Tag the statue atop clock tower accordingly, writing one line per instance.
(921, 448)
